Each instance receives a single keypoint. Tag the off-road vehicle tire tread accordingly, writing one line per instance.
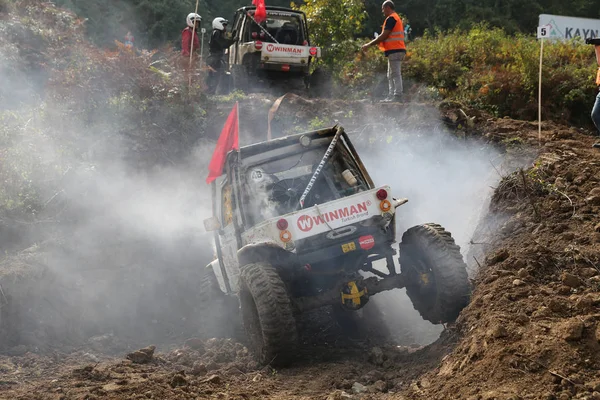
(208, 285)
(452, 283)
(219, 312)
(278, 337)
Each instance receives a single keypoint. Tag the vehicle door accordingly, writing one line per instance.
(237, 28)
(228, 235)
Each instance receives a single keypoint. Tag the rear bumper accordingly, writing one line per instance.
(349, 252)
(285, 68)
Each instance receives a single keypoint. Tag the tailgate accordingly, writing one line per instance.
(285, 53)
(334, 215)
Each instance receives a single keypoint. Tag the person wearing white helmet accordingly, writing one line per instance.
(216, 60)
(186, 36)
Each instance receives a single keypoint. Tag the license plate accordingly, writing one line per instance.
(348, 247)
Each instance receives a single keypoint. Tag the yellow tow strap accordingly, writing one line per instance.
(354, 294)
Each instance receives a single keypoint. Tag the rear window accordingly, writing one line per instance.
(285, 28)
(275, 187)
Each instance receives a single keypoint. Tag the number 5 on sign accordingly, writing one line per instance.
(543, 32)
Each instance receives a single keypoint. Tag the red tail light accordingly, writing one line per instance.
(285, 67)
(258, 45)
(382, 194)
(282, 224)
(313, 51)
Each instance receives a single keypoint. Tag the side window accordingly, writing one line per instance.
(227, 205)
(237, 25)
(305, 29)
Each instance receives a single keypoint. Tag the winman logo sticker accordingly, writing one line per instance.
(294, 50)
(366, 242)
(306, 223)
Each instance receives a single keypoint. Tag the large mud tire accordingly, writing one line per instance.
(218, 312)
(267, 314)
(435, 272)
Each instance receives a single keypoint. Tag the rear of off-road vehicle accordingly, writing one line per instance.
(277, 49)
(302, 226)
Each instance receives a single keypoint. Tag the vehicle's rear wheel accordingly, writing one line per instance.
(218, 312)
(436, 275)
(267, 314)
(320, 84)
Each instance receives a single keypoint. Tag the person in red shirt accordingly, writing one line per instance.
(186, 36)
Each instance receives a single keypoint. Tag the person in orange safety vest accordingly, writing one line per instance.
(391, 42)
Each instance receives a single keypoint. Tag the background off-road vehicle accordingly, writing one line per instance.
(277, 49)
(299, 225)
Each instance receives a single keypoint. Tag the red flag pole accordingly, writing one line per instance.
(237, 106)
(192, 46)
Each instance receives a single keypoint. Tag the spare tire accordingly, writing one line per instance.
(436, 274)
(267, 314)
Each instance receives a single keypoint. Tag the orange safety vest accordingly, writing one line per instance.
(598, 77)
(396, 39)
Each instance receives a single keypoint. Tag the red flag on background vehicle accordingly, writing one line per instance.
(261, 12)
(227, 142)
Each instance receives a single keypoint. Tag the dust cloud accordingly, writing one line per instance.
(120, 242)
(96, 244)
(447, 180)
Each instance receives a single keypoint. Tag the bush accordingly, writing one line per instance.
(487, 69)
(499, 73)
(84, 106)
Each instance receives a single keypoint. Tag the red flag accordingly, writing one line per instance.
(261, 12)
(227, 142)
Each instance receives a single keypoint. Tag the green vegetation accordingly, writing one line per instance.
(487, 69)
(68, 107)
(152, 22)
(333, 21)
(494, 71)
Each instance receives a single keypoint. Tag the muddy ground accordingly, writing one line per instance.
(532, 330)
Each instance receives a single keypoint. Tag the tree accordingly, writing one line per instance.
(152, 22)
(511, 15)
(333, 21)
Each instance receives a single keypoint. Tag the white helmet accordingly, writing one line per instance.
(219, 23)
(192, 18)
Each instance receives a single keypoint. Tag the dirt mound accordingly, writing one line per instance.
(34, 310)
(532, 329)
(216, 368)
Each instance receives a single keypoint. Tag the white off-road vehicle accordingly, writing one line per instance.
(276, 49)
(299, 224)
